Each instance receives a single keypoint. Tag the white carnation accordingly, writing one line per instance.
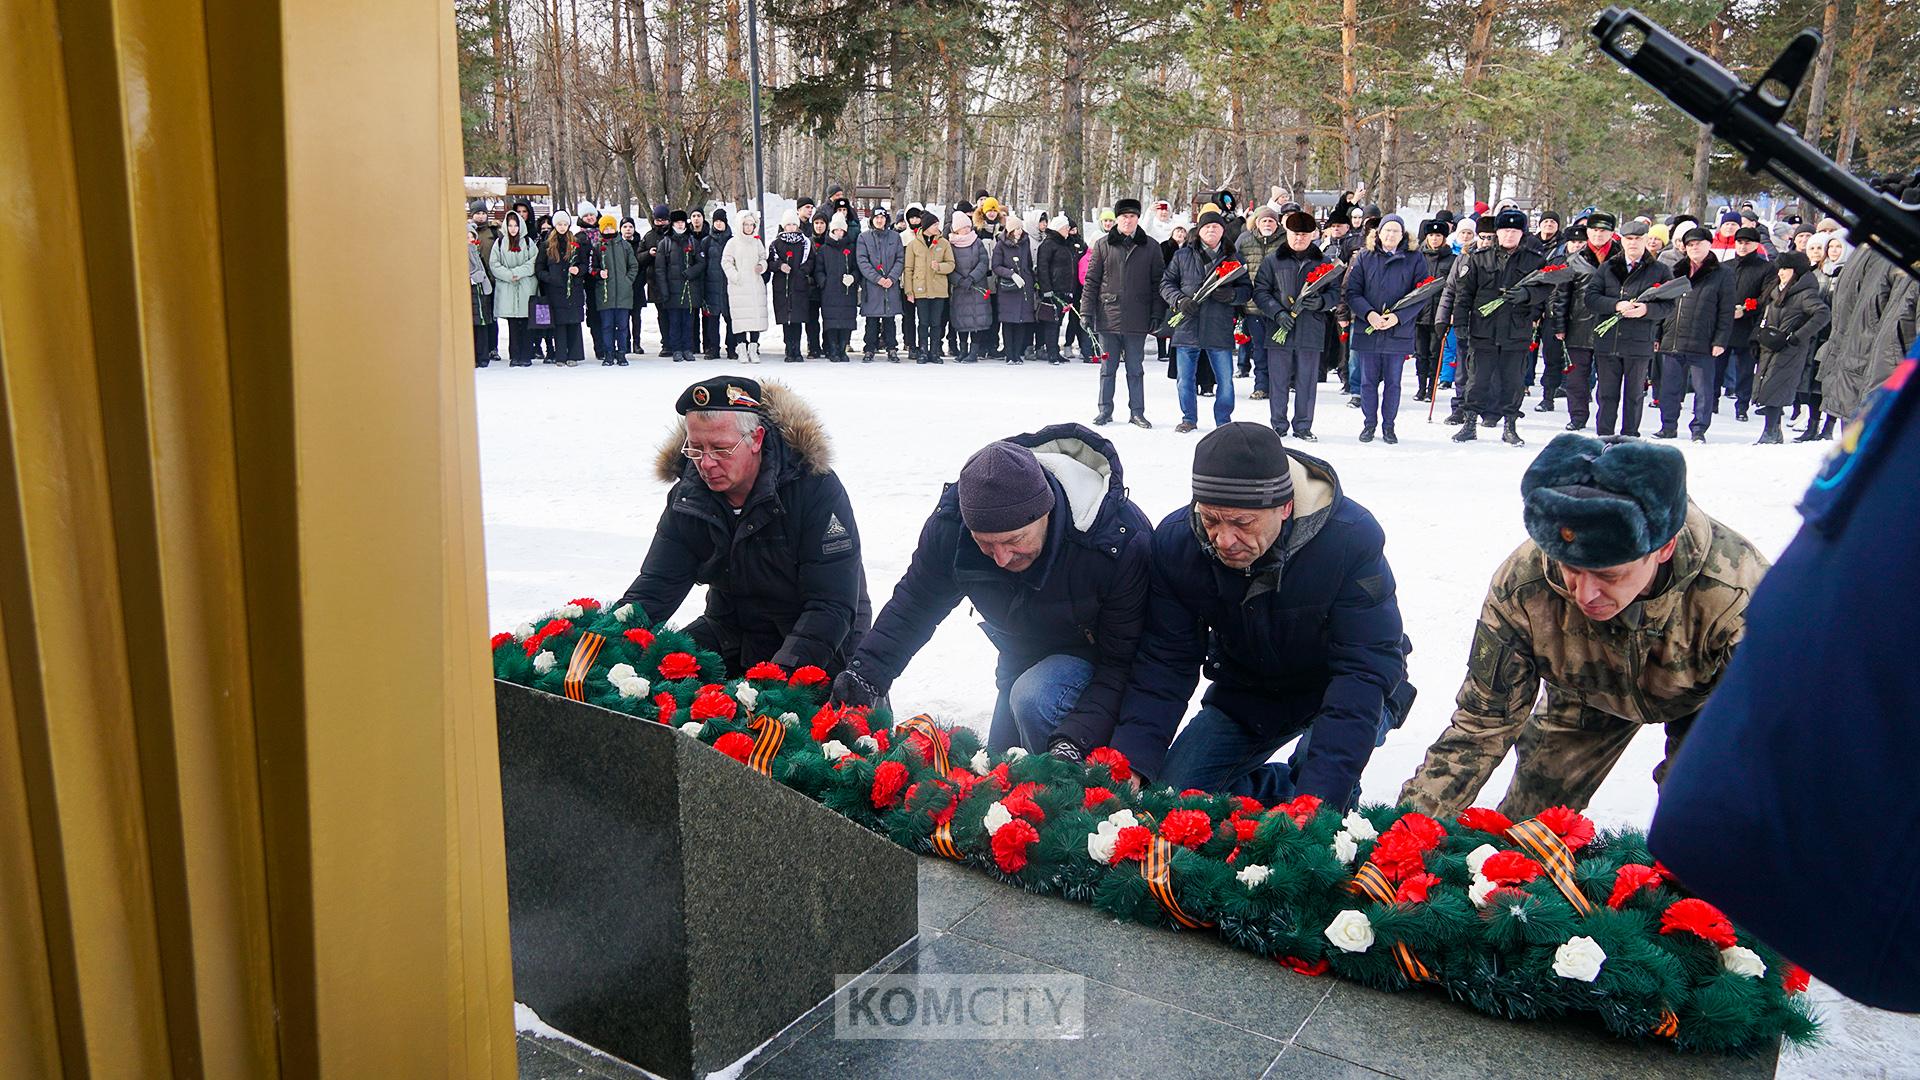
(1742, 961)
(868, 743)
(1350, 931)
(693, 728)
(544, 662)
(1580, 958)
(1344, 848)
(997, 816)
(834, 749)
(1122, 819)
(1254, 874)
(979, 762)
(1478, 857)
(1481, 887)
(569, 611)
(1015, 753)
(1359, 827)
(523, 631)
(622, 613)
(790, 719)
(1100, 844)
(746, 695)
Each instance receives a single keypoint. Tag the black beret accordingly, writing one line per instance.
(1126, 206)
(1600, 219)
(1511, 218)
(1593, 504)
(727, 393)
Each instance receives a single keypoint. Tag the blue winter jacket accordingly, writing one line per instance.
(1376, 281)
(1211, 326)
(1309, 636)
(1086, 595)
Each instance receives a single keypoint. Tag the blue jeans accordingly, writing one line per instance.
(1187, 359)
(1214, 753)
(1379, 385)
(1036, 702)
(1680, 372)
(613, 333)
(1254, 352)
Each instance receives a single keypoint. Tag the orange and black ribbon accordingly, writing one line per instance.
(584, 653)
(769, 733)
(924, 725)
(943, 842)
(1669, 1025)
(1545, 845)
(1370, 882)
(1157, 869)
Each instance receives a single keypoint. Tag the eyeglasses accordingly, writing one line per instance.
(692, 453)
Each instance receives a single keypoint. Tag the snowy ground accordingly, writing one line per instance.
(560, 524)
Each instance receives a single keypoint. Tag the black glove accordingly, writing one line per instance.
(1066, 749)
(850, 689)
(1186, 306)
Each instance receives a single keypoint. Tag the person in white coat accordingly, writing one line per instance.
(744, 260)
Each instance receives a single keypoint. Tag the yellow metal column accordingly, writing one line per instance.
(249, 800)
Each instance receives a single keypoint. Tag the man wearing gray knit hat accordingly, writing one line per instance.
(1040, 538)
(1275, 586)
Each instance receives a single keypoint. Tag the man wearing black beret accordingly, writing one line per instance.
(1274, 585)
(756, 514)
(1627, 600)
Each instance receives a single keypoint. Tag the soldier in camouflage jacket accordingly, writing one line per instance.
(1598, 514)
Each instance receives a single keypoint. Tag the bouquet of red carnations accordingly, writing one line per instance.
(1557, 274)
(1230, 270)
(1319, 279)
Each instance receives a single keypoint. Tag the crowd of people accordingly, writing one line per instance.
(1785, 319)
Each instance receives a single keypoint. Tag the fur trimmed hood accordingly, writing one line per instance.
(809, 447)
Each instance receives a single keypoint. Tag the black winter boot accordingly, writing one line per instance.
(1511, 436)
(1770, 434)
(1468, 432)
(1387, 436)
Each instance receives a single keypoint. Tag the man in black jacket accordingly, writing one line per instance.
(1753, 277)
(648, 249)
(1121, 301)
(1572, 316)
(1294, 365)
(1695, 337)
(1621, 356)
(1056, 272)
(1040, 538)
(1502, 338)
(1275, 586)
(757, 515)
(1428, 339)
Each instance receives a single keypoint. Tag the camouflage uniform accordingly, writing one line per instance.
(1653, 663)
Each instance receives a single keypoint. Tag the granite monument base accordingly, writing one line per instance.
(668, 905)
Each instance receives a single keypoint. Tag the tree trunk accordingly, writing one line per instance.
(1822, 73)
(1703, 142)
(1866, 38)
(1073, 117)
(673, 118)
(496, 22)
(1349, 87)
(1390, 162)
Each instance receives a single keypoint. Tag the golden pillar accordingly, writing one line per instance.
(249, 796)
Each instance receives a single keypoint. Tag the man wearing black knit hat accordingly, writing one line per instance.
(1276, 586)
(1040, 538)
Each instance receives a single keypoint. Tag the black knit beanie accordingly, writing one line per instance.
(1242, 465)
(1002, 488)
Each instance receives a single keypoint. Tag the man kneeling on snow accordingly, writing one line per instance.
(1040, 537)
(1627, 602)
(757, 515)
(1276, 586)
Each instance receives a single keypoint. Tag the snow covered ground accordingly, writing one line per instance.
(570, 501)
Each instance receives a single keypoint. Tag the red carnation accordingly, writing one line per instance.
(1226, 268)
(1192, 791)
(889, 780)
(1010, 845)
(1131, 843)
(1301, 967)
(808, 676)
(1427, 832)
(998, 777)
(1424, 282)
(1020, 804)
(1094, 796)
(1114, 760)
(1188, 828)
(1484, 820)
(1249, 805)
(641, 636)
(922, 743)
(1631, 879)
(712, 703)
(1750, 304)
(553, 627)
(762, 670)
(879, 736)
(1699, 918)
(679, 665)
(1551, 269)
(735, 745)
(1318, 272)
(1301, 809)
(855, 716)
(1573, 829)
(1244, 828)
(1399, 855)
(499, 639)
(665, 703)
(1661, 869)
(1240, 338)
(824, 721)
(1414, 889)
(585, 603)
(1511, 868)
(1796, 979)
